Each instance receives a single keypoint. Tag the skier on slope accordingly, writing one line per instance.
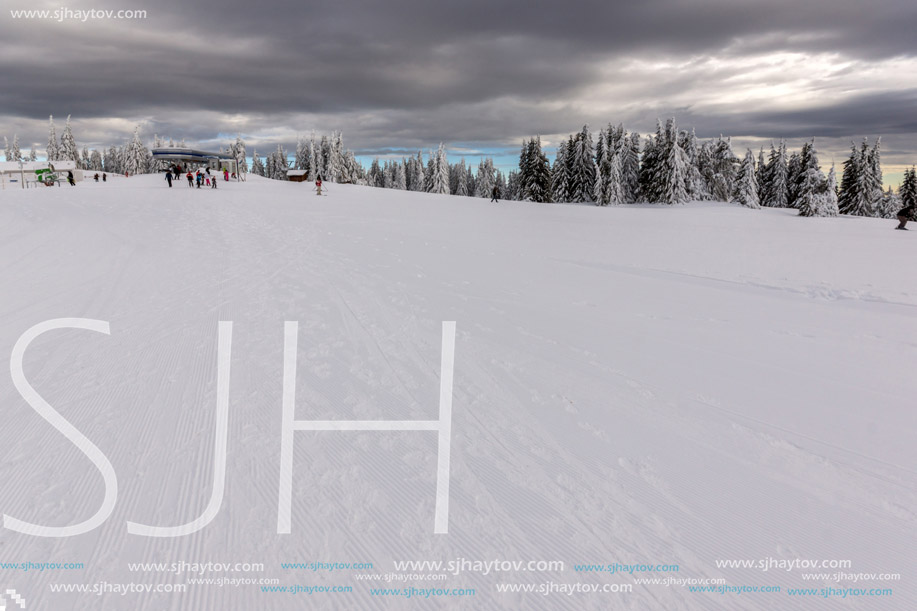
(495, 194)
(190, 178)
(168, 177)
(318, 184)
(904, 215)
(70, 178)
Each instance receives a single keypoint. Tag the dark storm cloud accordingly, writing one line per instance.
(414, 72)
(887, 113)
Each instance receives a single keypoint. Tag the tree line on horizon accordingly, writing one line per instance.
(133, 157)
(673, 167)
(670, 166)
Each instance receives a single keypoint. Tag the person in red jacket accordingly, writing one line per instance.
(318, 185)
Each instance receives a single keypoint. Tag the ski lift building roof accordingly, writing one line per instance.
(189, 155)
(185, 156)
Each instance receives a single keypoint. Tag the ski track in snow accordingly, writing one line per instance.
(632, 385)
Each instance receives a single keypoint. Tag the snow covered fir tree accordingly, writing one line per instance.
(908, 191)
(861, 183)
(614, 167)
(746, 184)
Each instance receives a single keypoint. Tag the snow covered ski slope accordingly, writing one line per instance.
(719, 395)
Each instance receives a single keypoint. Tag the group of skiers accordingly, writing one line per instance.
(198, 178)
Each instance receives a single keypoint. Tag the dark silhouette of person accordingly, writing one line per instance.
(904, 215)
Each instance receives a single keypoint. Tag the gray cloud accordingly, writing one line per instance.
(886, 113)
(411, 73)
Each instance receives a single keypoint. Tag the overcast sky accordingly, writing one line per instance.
(398, 75)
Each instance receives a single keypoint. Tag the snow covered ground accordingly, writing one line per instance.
(634, 385)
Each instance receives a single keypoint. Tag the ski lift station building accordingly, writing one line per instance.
(193, 158)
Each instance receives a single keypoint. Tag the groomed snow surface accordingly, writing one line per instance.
(635, 385)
